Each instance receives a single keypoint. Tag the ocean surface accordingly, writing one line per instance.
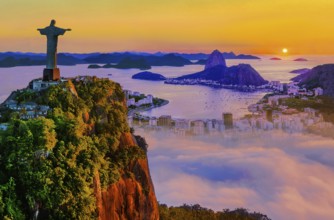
(184, 101)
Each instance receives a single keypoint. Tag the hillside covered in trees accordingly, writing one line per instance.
(196, 212)
(75, 162)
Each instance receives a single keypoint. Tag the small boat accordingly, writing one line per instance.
(109, 74)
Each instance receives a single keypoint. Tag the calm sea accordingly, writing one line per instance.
(185, 101)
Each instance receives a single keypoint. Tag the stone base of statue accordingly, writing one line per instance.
(51, 74)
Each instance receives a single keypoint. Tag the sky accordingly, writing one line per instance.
(288, 179)
(242, 26)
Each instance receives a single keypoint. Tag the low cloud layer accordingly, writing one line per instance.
(286, 176)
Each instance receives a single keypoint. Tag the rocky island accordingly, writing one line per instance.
(149, 76)
(300, 60)
(94, 66)
(217, 74)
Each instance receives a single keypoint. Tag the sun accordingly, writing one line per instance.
(285, 51)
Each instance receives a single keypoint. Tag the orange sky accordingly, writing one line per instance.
(242, 26)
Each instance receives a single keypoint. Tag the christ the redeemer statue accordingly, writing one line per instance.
(51, 72)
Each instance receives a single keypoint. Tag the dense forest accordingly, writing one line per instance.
(196, 212)
(47, 164)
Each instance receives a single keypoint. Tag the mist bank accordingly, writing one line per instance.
(285, 176)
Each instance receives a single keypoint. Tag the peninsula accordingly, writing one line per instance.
(217, 74)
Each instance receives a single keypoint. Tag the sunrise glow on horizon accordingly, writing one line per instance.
(255, 27)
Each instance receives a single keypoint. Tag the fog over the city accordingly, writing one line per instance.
(286, 176)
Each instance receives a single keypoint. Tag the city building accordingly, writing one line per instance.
(276, 85)
(43, 109)
(318, 91)
(136, 93)
(302, 91)
(11, 104)
(130, 102)
(144, 100)
(165, 121)
(242, 125)
(269, 115)
(153, 121)
(293, 89)
(276, 99)
(29, 115)
(182, 124)
(228, 120)
(29, 106)
(39, 84)
(149, 98)
(127, 93)
(198, 127)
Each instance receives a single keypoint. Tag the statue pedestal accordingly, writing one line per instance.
(51, 74)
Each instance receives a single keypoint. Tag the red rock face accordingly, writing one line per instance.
(131, 197)
(127, 140)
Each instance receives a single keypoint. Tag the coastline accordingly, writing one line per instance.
(216, 85)
(145, 108)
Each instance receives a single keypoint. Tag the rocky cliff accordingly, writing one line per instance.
(215, 59)
(80, 161)
(129, 198)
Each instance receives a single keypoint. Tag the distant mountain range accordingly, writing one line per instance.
(12, 59)
(226, 55)
(125, 63)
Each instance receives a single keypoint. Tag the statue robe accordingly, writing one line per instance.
(52, 33)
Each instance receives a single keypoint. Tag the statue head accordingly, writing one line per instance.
(53, 22)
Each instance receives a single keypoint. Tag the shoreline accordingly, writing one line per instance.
(143, 109)
(230, 87)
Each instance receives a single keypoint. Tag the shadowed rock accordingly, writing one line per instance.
(149, 76)
(215, 59)
(216, 70)
(320, 76)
